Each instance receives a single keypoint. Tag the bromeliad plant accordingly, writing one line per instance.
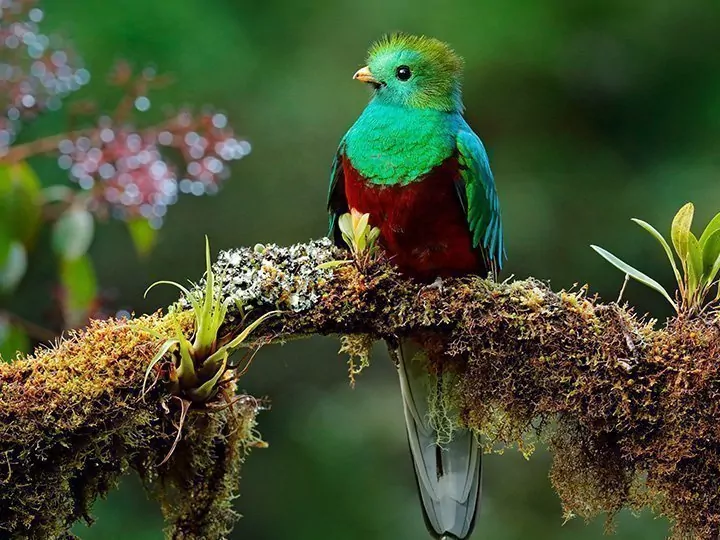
(358, 234)
(360, 238)
(699, 261)
(195, 366)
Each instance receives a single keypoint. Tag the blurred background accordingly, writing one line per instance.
(593, 112)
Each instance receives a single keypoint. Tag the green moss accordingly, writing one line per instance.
(72, 421)
(630, 411)
(443, 411)
(358, 348)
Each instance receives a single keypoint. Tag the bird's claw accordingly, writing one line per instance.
(437, 285)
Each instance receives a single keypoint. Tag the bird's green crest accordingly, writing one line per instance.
(416, 71)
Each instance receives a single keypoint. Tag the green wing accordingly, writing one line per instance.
(337, 202)
(479, 198)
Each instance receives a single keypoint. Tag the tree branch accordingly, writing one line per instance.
(630, 411)
(72, 421)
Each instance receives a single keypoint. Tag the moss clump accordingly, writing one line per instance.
(358, 348)
(630, 411)
(72, 421)
(196, 488)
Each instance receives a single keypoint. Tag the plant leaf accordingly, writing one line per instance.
(213, 309)
(13, 340)
(346, 228)
(360, 243)
(680, 231)
(235, 343)
(659, 237)
(713, 272)
(20, 202)
(56, 194)
(634, 273)
(711, 228)
(14, 267)
(361, 224)
(332, 264)
(143, 235)
(207, 389)
(77, 277)
(162, 351)
(710, 251)
(695, 263)
(188, 295)
(348, 242)
(373, 235)
(187, 376)
(73, 233)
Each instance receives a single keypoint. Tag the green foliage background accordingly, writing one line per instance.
(592, 111)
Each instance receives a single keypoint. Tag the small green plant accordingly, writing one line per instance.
(197, 365)
(358, 234)
(699, 261)
(360, 237)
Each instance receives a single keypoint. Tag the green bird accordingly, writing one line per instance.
(413, 163)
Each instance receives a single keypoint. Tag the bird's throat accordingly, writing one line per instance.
(392, 145)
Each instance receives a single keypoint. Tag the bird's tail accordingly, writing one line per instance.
(448, 475)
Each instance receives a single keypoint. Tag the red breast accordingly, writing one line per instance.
(423, 226)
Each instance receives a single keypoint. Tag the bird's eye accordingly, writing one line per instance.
(403, 73)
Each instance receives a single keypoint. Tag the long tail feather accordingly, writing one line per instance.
(448, 476)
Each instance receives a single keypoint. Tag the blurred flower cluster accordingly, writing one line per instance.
(36, 70)
(126, 168)
(127, 173)
(130, 163)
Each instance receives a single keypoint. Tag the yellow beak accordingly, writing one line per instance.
(364, 75)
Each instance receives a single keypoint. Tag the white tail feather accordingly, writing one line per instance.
(448, 477)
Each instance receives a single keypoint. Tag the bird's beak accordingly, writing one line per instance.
(364, 75)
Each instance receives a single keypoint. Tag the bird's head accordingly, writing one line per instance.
(414, 71)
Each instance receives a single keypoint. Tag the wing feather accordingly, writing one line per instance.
(337, 200)
(478, 196)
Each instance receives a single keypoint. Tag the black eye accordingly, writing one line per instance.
(403, 73)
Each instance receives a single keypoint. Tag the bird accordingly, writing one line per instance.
(412, 162)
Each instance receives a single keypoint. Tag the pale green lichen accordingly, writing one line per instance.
(443, 412)
(275, 276)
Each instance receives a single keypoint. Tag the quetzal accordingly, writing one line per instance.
(414, 164)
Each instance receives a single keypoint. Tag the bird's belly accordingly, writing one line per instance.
(423, 226)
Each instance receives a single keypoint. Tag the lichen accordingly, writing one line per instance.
(270, 275)
(444, 415)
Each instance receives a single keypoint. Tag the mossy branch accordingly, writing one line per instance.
(630, 410)
(73, 420)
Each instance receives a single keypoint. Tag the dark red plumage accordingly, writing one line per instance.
(423, 226)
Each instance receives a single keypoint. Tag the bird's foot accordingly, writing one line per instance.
(437, 285)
